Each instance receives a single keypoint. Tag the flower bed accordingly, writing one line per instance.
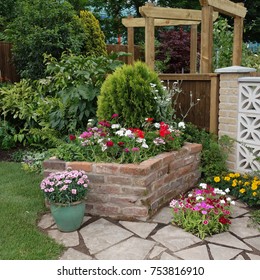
(136, 191)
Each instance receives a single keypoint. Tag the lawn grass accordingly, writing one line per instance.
(21, 203)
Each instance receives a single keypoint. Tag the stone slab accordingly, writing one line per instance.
(102, 234)
(133, 248)
(254, 242)
(68, 239)
(175, 238)
(46, 221)
(164, 216)
(141, 229)
(72, 254)
(222, 253)
(240, 227)
(166, 256)
(157, 250)
(227, 239)
(238, 211)
(195, 253)
(253, 256)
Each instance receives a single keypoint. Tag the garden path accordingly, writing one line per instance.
(101, 238)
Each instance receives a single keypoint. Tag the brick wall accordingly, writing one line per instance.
(136, 191)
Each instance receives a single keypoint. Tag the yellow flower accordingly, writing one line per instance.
(217, 179)
(227, 178)
(232, 175)
(254, 193)
(242, 190)
(254, 186)
(246, 184)
(237, 174)
(234, 183)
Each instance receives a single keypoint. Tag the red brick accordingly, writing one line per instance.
(185, 170)
(144, 181)
(108, 189)
(194, 148)
(135, 211)
(152, 163)
(140, 191)
(106, 210)
(120, 180)
(80, 165)
(96, 178)
(134, 169)
(124, 201)
(175, 165)
(162, 171)
(106, 168)
(54, 164)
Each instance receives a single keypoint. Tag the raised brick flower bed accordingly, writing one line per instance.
(136, 191)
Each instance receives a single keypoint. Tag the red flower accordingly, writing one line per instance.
(138, 132)
(114, 116)
(164, 129)
(110, 143)
(224, 221)
(149, 119)
(72, 137)
(120, 144)
(104, 123)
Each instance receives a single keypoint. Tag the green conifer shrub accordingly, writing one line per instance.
(95, 39)
(134, 92)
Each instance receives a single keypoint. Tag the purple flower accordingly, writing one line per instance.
(135, 149)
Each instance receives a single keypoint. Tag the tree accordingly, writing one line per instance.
(7, 13)
(49, 27)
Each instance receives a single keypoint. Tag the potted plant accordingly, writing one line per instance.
(65, 192)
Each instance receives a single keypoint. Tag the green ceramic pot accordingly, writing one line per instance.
(68, 217)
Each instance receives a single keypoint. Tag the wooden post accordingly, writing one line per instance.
(149, 42)
(130, 44)
(238, 40)
(214, 104)
(193, 48)
(206, 39)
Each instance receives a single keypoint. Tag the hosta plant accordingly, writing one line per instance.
(203, 212)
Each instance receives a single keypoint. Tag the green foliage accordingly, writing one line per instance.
(71, 88)
(250, 59)
(32, 160)
(95, 40)
(49, 27)
(223, 43)
(7, 133)
(214, 151)
(132, 92)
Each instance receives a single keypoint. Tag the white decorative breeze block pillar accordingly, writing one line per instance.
(248, 124)
(228, 106)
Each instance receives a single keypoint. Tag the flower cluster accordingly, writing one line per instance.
(246, 187)
(109, 141)
(66, 186)
(205, 211)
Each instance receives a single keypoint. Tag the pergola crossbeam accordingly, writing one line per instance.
(226, 7)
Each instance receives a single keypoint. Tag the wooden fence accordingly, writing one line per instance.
(202, 90)
(7, 69)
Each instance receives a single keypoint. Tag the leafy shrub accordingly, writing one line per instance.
(214, 151)
(135, 93)
(7, 133)
(174, 50)
(70, 89)
(94, 37)
(40, 27)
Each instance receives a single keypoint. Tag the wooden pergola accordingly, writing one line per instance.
(158, 16)
(235, 10)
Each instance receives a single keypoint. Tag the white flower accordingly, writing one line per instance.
(227, 190)
(228, 199)
(115, 126)
(232, 202)
(181, 125)
(157, 125)
(199, 197)
(222, 201)
(139, 140)
(203, 185)
(190, 195)
(121, 132)
(144, 145)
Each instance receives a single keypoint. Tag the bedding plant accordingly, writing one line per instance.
(245, 187)
(204, 211)
(110, 141)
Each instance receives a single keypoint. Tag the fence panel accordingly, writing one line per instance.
(199, 89)
(7, 70)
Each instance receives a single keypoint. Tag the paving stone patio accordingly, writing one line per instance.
(101, 238)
